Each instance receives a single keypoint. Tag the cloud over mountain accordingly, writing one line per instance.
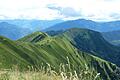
(60, 9)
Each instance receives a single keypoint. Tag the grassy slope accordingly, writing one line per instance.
(92, 42)
(54, 51)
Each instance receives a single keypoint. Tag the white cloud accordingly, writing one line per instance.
(60, 9)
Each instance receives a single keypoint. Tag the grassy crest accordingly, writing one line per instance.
(92, 42)
(55, 53)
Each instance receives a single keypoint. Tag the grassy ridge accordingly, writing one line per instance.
(92, 42)
(54, 52)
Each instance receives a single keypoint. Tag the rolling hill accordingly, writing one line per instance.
(88, 24)
(41, 49)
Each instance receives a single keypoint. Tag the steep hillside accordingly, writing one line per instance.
(92, 42)
(89, 24)
(11, 54)
(54, 51)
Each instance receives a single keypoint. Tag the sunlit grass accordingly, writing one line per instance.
(65, 73)
(42, 75)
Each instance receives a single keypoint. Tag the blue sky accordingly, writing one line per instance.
(98, 10)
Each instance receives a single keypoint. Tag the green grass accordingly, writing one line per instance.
(28, 75)
(55, 51)
(36, 36)
(92, 42)
(48, 74)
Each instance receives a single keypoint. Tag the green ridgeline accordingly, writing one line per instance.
(39, 49)
(92, 42)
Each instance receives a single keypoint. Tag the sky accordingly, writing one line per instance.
(97, 10)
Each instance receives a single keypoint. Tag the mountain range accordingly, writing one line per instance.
(34, 25)
(88, 24)
(81, 48)
(29, 26)
(15, 29)
(12, 31)
(110, 30)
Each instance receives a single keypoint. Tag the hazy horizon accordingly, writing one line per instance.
(96, 10)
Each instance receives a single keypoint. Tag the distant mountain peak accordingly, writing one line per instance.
(89, 24)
